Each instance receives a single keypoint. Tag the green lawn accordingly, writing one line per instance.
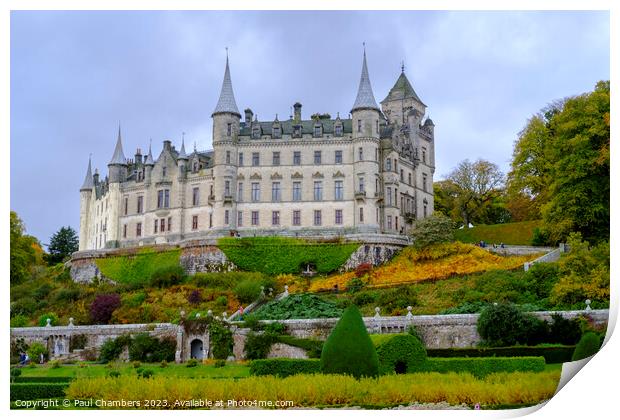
(231, 370)
(519, 233)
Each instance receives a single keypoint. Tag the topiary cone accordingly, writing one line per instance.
(348, 349)
(588, 345)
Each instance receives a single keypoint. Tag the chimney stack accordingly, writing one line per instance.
(297, 111)
(248, 116)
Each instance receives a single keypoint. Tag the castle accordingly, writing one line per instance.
(370, 173)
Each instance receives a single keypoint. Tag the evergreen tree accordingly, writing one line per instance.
(62, 244)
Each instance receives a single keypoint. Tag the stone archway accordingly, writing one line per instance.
(196, 349)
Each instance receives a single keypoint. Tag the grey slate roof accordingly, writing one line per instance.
(227, 102)
(365, 98)
(307, 127)
(119, 157)
(88, 180)
(402, 89)
(182, 154)
(149, 158)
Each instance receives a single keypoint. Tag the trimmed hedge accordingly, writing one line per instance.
(137, 269)
(34, 391)
(284, 367)
(43, 379)
(402, 353)
(276, 255)
(552, 354)
(483, 366)
(588, 346)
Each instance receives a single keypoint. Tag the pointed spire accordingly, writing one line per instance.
(227, 102)
(149, 158)
(182, 154)
(402, 89)
(88, 180)
(119, 157)
(365, 98)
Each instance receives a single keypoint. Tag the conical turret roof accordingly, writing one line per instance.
(227, 102)
(149, 158)
(402, 89)
(119, 157)
(88, 180)
(365, 98)
(182, 154)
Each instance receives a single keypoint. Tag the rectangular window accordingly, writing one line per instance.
(424, 182)
(211, 220)
(402, 176)
(409, 178)
(194, 222)
(275, 192)
(425, 210)
(255, 191)
(361, 184)
(360, 153)
(124, 231)
(139, 229)
(239, 219)
(226, 217)
(317, 157)
(228, 157)
(359, 126)
(229, 129)
(317, 218)
(377, 126)
(395, 165)
(389, 196)
(296, 191)
(240, 158)
(195, 196)
(338, 217)
(338, 157)
(317, 131)
(227, 188)
(162, 225)
(396, 222)
(424, 154)
(240, 192)
(361, 215)
(255, 159)
(388, 164)
(276, 159)
(338, 190)
(160, 199)
(389, 222)
(338, 130)
(140, 206)
(396, 197)
(275, 218)
(254, 218)
(296, 217)
(169, 224)
(155, 228)
(318, 190)
(296, 158)
(126, 205)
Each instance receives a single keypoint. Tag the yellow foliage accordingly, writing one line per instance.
(434, 263)
(313, 390)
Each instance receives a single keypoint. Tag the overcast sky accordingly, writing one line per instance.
(75, 75)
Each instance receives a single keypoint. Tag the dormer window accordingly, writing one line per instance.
(256, 132)
(297, 131)
(318, 130)
(338, 130)
(276, 132)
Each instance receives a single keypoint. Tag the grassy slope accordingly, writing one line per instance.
(519, 233)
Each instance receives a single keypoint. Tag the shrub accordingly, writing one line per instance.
(431, 230)
(348, 349)
(54, 364)
(221, 339)
(144, 348)
(257, 346)
(103, 306)
(163, 364)
(400, 354)
(588, 346)
(540, 237)
(397, 300)
(191, 363)
(15, 372)
(362, 270)
(483, 366)
(284, 367)
(219, 363)
(552, 354)
(355, 285)
(247, 291)
(43, 379)
(24, 306)
(298, 306)
(167, 276)
(364, 298)
(114, 374)
(29, 391)
(505, 325)
(19, 321)
(51, 316)
(275, 328)
(66, 295)
(133, 300)
(221, 301)
(42, 291)
(564, 331)
(144, 373)
(112, 348)
(35, 350)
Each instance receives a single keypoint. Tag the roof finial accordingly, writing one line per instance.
(402, 66)
(226, 53)
(194, 145)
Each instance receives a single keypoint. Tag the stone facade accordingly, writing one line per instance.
(437, 331)
(323, 176)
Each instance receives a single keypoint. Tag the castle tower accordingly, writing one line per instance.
(226, 121)
(401, 100)
(148, 166)
(117, 170)
(86, 193)
(365, 116)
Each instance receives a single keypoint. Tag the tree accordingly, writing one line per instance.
(476, 186)
(62, 244)
(432, 230)
(561, 164)
(25, 251)
(348, 349)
